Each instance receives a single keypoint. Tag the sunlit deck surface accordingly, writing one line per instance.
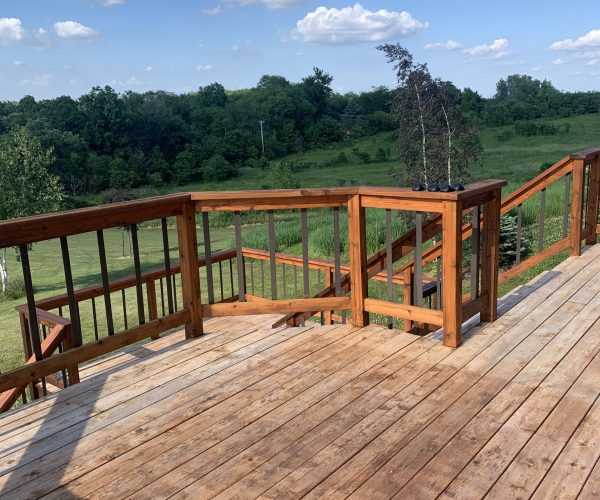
(331, 412)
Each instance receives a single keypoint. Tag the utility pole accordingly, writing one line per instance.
(262, 136)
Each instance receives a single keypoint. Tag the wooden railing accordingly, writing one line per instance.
(427, 260)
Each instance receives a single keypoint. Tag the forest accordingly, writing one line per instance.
(105, 140)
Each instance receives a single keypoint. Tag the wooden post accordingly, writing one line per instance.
(591, 222)
(490, 258)
(73, 370)
(357, 236)
(27, 349)
(408, 295)
(452, 272)
(190, 278)
(576, 208)
(152, 304)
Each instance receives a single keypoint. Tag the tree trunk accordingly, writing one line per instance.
(424, 136)
(449, 144)
(4, 270)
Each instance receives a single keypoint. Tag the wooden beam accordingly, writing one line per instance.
(404, 311)
(576, 208)
(39, 369)
(452, 273)
(592, 202)
(190, 278)
(490, 258)
(267, 306)
(357, 248)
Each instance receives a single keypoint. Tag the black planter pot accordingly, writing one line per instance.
(417, 186)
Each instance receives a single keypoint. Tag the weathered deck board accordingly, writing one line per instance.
(331, 412)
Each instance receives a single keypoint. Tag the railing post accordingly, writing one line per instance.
(152, 304)
(576, 208)
(490, 258)
(357, 246)
(591, 222)
(190, 277)
(452, 272)
(73, 371)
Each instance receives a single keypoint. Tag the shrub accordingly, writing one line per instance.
(508, 241)
(381, 155)
(218, 169)
(15, 289)
(283, 176)
(362, 156)
(341, 158)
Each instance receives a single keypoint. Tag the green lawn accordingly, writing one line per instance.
(517, 161)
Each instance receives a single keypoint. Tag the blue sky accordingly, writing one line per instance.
(56, 47)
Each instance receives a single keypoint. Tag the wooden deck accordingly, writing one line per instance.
(332, 412)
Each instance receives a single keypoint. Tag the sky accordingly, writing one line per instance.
(50, 48)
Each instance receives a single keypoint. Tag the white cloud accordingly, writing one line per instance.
(355, 24)
(149, 68)
(593, 62)
(110, 3)
(130, 82)
(535, 69)
(270, 4)
(73, 29)
(213, 11)
(38, 80)
(495, 50)
(590, 39)
(449, 45)
(561, 60)
(11, 29)
(204, 67)
(17, 63)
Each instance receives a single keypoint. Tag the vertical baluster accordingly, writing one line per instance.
(221, 279)
(519, 232)
(418, 281)
(44, 334)
(475, 254)
(565, 227)
(283, 288)
(105, 283)
(337, 257)
(438, 266)
(123, 298)
(262, 277)
(272, 260)
(175, 292)
(167, 259)
(305, 269)
(162, 296)
(252, 276)
(232, 288)
(239, 257)
(138, 275)
(60, 311)
(542, 219)
(295, 281)
(34, 328)
(208, 258)
(73, 310)
(389, 262)
(95, 318)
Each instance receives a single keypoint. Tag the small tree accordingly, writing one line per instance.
(26, 186)
(435, 140)
(284, 177)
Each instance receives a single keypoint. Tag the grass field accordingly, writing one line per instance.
(517, 161)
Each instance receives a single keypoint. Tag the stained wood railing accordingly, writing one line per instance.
(443, 223)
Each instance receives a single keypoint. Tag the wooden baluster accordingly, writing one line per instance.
(565, 227)
(490, 257)
(124, 301)
(252, 277)
(73, 310)
(576, 208)
(152, 304)
(452, 272)
(408, 294)
(542, 219)
(593, 202)
(328, 282)
(105, 284)
(221, 279)
(27, 348)
(190, 278)
(519, 233)
(272, 260)
(95, 318)
(72, 371)
(475, 244)
(358, 260)
(337, 251)
(305, 270)
(162, 297)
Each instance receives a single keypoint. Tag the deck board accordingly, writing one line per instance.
(247, 411)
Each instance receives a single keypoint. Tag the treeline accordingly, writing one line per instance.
(107, 140)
